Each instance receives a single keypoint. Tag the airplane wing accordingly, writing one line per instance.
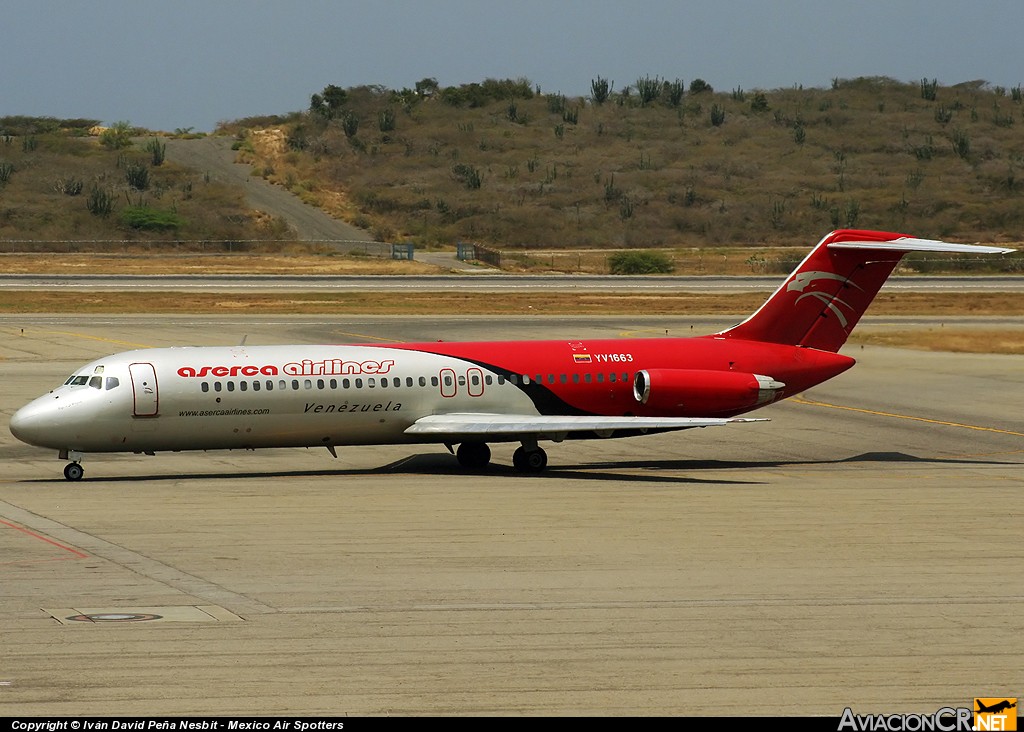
(553, 427)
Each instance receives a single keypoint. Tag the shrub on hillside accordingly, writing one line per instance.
(640, 262)
(150, 219)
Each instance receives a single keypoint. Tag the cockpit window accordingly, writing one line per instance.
(78, 381)
(112, 382)
(96, 382)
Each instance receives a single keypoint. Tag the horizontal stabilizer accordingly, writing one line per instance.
(510, 425)
(910, 244)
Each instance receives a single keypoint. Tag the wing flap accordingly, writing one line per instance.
(482, 425)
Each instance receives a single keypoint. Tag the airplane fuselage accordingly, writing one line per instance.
(202, 398)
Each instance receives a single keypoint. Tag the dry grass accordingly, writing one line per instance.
(447, 302)
(956, 340)
(185, 264)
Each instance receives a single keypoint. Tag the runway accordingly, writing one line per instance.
(482, 282)
(861, 550)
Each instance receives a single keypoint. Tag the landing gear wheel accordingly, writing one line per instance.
(529, 461)
(473, 455)
(73, 471)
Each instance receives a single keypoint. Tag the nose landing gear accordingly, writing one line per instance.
(73, 470)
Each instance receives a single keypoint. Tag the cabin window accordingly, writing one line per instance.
(204, 387)
(408, 381)
(423, 381)
(563, 378)
(501, 379)
(612, 377)
(487, 380)
(359, 383)
(575, 378)
(231, 386)
(600, 378)
(433, 381)
(462, 381)
(243, 385)
(270, 385)
(295, 384)
(255, 386)
(320, 384)
(448, 381)
(334, 383)
(371, 382)
(217, 386)
(588, 378)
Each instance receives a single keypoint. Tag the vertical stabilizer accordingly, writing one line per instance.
(824, 298)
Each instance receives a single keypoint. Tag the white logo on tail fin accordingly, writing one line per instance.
(830, 301)
(801, 280)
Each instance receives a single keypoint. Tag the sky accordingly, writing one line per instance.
(180, 64)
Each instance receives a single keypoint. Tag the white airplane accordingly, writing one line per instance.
(472, 394)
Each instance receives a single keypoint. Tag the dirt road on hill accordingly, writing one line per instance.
(214, 156)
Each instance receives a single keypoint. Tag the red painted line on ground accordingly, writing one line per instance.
(78, 554)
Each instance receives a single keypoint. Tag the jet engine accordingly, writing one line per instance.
(693, 392)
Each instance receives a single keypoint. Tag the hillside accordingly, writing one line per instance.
(64, 189)
(654, 165)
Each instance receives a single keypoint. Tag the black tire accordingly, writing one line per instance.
(73, 471)
(529, 461)
(473, 455)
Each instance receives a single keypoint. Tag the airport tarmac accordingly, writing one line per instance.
(862, 550)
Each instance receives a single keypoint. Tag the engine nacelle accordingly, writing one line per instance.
(698, 392)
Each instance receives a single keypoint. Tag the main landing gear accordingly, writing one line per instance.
(477, 455)
(530, 460)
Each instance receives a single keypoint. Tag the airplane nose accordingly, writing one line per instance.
(28, 424)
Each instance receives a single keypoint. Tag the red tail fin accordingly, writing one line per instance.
(825, 297)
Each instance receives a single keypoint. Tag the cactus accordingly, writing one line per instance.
(649, 90)
(68, 186)
(674, 91)
(717, 115)
(599, 90)
(350, 124)
(137, 176)
(386, 120)
(157, 152)
(961, 143)
(100, 202)
(929, 89)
